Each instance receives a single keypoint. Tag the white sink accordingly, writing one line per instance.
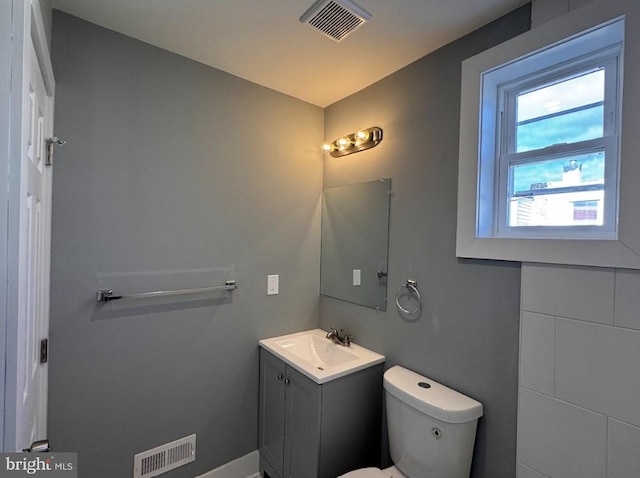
(317, 357)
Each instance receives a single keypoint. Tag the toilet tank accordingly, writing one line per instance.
(432, 428)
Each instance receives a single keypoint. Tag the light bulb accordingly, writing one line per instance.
(344, 143)
(327, 147)
(362, 136)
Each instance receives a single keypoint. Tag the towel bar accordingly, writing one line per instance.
(106, 295)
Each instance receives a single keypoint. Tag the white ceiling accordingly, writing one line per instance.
(264, 42)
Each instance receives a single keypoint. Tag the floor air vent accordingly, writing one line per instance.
(164, 458)
(335, 18)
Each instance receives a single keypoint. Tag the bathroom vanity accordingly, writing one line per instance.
(322, 423)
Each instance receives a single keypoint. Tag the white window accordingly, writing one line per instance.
(551, 132)
(534, 183)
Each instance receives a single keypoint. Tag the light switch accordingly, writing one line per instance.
(273, 284)
(356, 276)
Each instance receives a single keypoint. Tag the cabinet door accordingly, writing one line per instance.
(302, 431)
(271, 410)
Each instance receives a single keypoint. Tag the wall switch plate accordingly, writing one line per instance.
(356, 276)
(273, 285)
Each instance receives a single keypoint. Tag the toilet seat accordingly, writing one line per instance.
(391, 472)
(366, 473)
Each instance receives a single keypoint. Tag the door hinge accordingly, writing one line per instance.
(41, 446)
(44, 350)
(51, 142)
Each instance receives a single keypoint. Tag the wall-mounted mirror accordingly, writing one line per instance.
(355, 243)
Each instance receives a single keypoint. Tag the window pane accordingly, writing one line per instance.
(564, 112)
(558, 192)
(584, 169)
(571, 127)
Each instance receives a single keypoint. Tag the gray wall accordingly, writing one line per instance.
(178, 175)
(467, 334)
(174, 175)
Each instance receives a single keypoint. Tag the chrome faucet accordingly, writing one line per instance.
(339, 339)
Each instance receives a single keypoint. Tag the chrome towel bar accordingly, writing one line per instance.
(107, 295)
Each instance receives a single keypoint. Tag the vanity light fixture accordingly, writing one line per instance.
(354, 142)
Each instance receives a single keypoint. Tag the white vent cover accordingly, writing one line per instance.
(164, 458)
(335, 18)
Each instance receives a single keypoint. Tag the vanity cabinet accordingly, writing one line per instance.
(310, 430)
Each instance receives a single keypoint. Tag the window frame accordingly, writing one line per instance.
(609, 59)
(596, 48)
(472, 241)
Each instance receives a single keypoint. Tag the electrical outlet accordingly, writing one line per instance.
(273, 285)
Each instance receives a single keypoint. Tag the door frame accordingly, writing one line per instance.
(20, 20)
(5, 94)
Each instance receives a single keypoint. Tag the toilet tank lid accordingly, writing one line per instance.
(430, 397)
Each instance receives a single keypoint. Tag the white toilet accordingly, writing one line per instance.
(432, 429)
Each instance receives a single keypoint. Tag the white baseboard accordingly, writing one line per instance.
(244, 467)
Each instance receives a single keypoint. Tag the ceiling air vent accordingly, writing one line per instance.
(335, 18)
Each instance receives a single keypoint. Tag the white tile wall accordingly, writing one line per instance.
(598, 367)
(579, 405)
(627, 310)
(569, 292)
(560, 439)
(537, 352)
(623, 451)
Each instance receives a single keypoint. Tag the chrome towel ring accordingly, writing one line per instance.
(412, 287)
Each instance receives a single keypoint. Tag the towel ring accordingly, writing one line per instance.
(411, 286)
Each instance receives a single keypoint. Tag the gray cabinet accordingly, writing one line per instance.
(271, 411)
(309, 430)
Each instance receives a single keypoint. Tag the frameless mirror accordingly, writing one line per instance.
(355, 243)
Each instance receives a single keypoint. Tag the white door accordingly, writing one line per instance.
(34, 256)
